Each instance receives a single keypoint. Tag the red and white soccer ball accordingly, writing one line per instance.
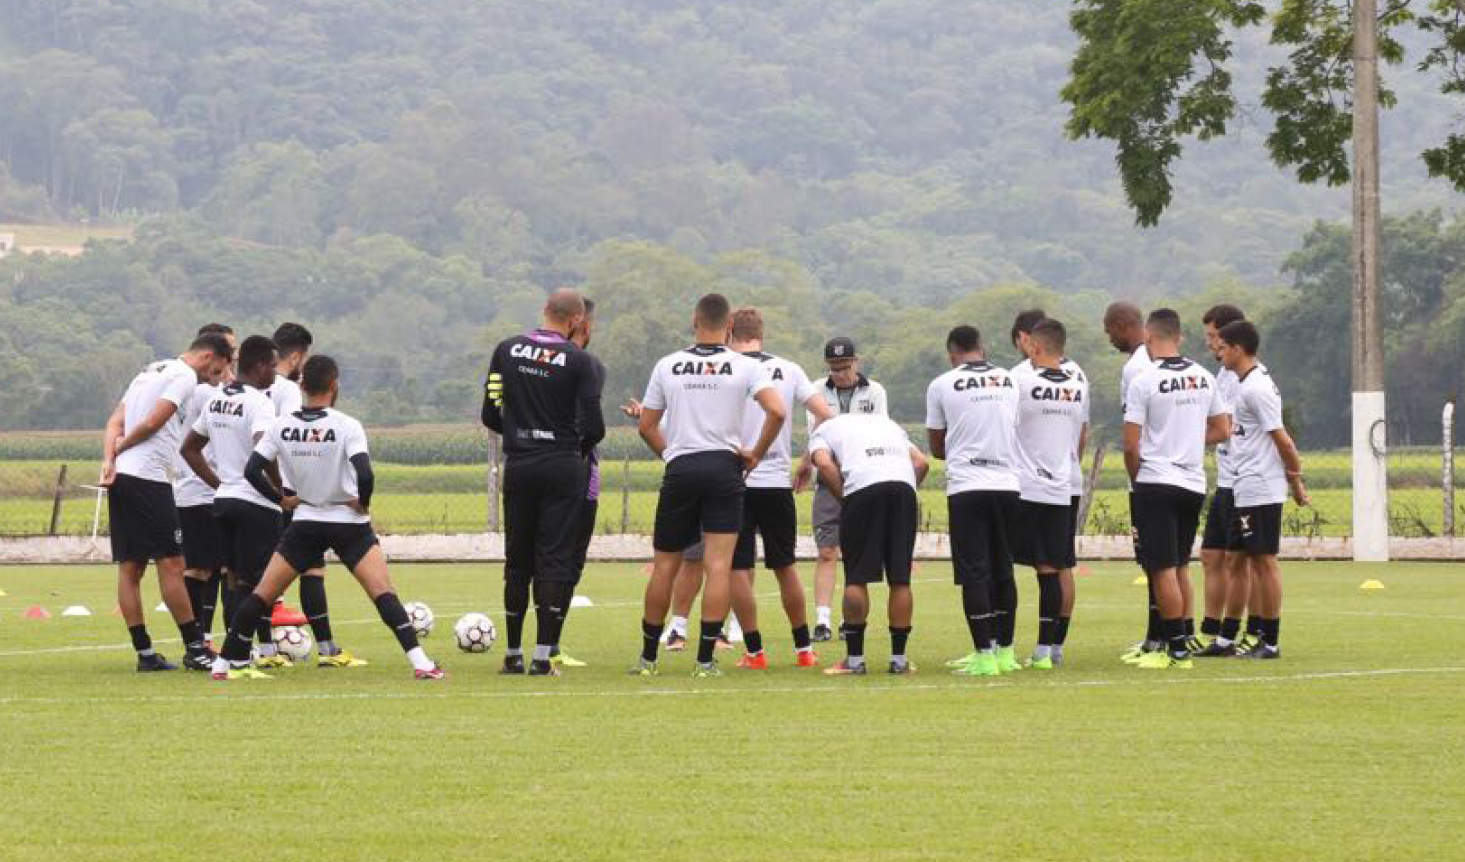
(420, 615)
(292, 641)
(475, 633)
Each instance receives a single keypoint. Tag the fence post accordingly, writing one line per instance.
(625, 496)
(56, 501)
(1447, 471)
(493, 482)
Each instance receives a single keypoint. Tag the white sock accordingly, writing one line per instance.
(514, 652)
(327, 648)
(821, 616)
(541, 652)
(1042, 651)
(419, 659)
(897, 659)
(221, 665)
(267, 650)
(855, 661)
(678, 625)
(1056, 651)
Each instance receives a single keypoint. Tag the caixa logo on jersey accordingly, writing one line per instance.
(1182, 384)
(542, 355)
(699, 367)
(308, 435)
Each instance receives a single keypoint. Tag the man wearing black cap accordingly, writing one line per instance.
(845, 390)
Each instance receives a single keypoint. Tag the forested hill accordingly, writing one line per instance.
(408, 176)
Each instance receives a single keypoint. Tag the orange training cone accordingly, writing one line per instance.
(36, 612)
(284, 615)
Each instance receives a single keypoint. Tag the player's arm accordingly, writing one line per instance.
(492, 413)
(1131, 449)
(161, 413)
(257, 475)
(1218, 429)
(1292, 461)
(111, 433)
(936, 439)
(1135, 411)
(192, 451)
(921, 464)
(649, 427)
(774, 415)
(829, 472)
(365, 482)
(1083, 441)
(587, 405)
(816, 411)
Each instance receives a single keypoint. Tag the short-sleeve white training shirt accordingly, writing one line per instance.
(170, 380)
(976, 404)
(704, 390)
(1171, 403)
(795, 388)
(1052, 406)
(315, 446)
(869, 448)
(188, 489)
(1261, 477)
(231, 419)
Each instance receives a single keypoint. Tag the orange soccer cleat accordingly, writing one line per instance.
(754, 661)
(808, 658)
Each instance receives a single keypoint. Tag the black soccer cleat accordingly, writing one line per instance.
(154, 662)
(1215, 650)
(822, 633)
(541, 668)
(1262, 651)
(513, 665)
(202, 660)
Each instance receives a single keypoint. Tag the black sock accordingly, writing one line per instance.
(898, 638)
(516, 607)
(1050, 604)
(1230, 628)
(210, 592)
(247, 613)
(753, 640)
(976, 604)
(550, 601)
(1210, 626)
(195, 589)
(1005, 607)
(1063, 630)
(1153, 630)
(1175, 633)
(230, 598)
(263, 629)
(854, 640)
(707, 643)
(1254, 625)
(192, 635)
(1190, 627)
(650, 640)
(140, 640)
(801, 637)
(1272, 630)
(390, 609)
(317, 610)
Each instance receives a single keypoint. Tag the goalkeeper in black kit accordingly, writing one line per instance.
(543, 396)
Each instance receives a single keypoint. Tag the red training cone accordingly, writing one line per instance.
(284, 615)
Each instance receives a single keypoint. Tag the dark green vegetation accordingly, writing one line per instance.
(1345, 749)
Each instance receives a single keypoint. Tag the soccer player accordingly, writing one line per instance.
(543, 396)
(1125, 326)
(1267, 466)
(585, 523)
(702, 390)
(768, 502)
(1172, 412)
(1021, 336)
(971, 417)
(845, 390)
(233, 421)
(138, 447)
(324, 453)
(869, 464)
(1052, 409)
(203, 555)
(1215, 544)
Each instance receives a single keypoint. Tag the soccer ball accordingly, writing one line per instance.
(475, 633)
(292, 641)
(420, 616)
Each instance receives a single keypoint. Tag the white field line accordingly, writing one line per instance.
(854, 687)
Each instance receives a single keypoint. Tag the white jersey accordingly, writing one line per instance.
(231, 419)
(1052, 406)
(168, 380)
(1171, 403)
(188, 489)
(869, 449)
(315, 445)
(1075, 472)
(285, 394)
(794, 388)
(1139, 362)
(704, 390)
(1226, 384)
(1261, 477)
(976, 404)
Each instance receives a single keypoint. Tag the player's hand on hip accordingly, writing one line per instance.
(802, 477)
(289, 502)
(750, 460)
(355, 505)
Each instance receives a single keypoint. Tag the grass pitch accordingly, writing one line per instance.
(1350, 747)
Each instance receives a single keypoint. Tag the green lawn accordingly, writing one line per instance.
(1348, 748)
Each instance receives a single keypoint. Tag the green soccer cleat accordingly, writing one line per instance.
(1007, 660)
(565, 660)
(278, 661)
(1161, 660)
(1036, 663)
(964, 660)
(340, 659)
(237, 673)
(642, 667)
(982, 664)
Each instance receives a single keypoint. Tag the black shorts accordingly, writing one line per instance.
(1070, 558)
(249, 533)
(1043, 531)
(1217, 534)
(1256, 530)
(982, 524)
(1165, 521)
(700, 492)
(543, 499)
(305, 543)
(768, 512)
(203, 544)
(144, 522)
(877, 535)
(584, 532)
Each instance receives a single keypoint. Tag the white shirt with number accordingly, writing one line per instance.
(231, 419)
(976, 404)
(1052, 406)
(794, 388)
(316, 446)
(1075, 472)
(168, 380)
(1171, 403)
(869, 449)
(1226, 384)
(188, 489)
(1261, 477)
(705, 390)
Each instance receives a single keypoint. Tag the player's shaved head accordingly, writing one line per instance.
(1164, 323)
(1050, 336)
(564, 305)
(747, 324)
(713, 311)
(1123, 314)
(321, 372)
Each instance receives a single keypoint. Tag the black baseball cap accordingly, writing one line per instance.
(839, 348)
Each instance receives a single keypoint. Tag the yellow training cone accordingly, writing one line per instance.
(1371, 585)
(1139, 581)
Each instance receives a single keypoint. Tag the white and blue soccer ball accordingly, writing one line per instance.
(292, 641)
(475, 633)
(420, 615)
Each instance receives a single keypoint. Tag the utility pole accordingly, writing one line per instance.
(1370, 469)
